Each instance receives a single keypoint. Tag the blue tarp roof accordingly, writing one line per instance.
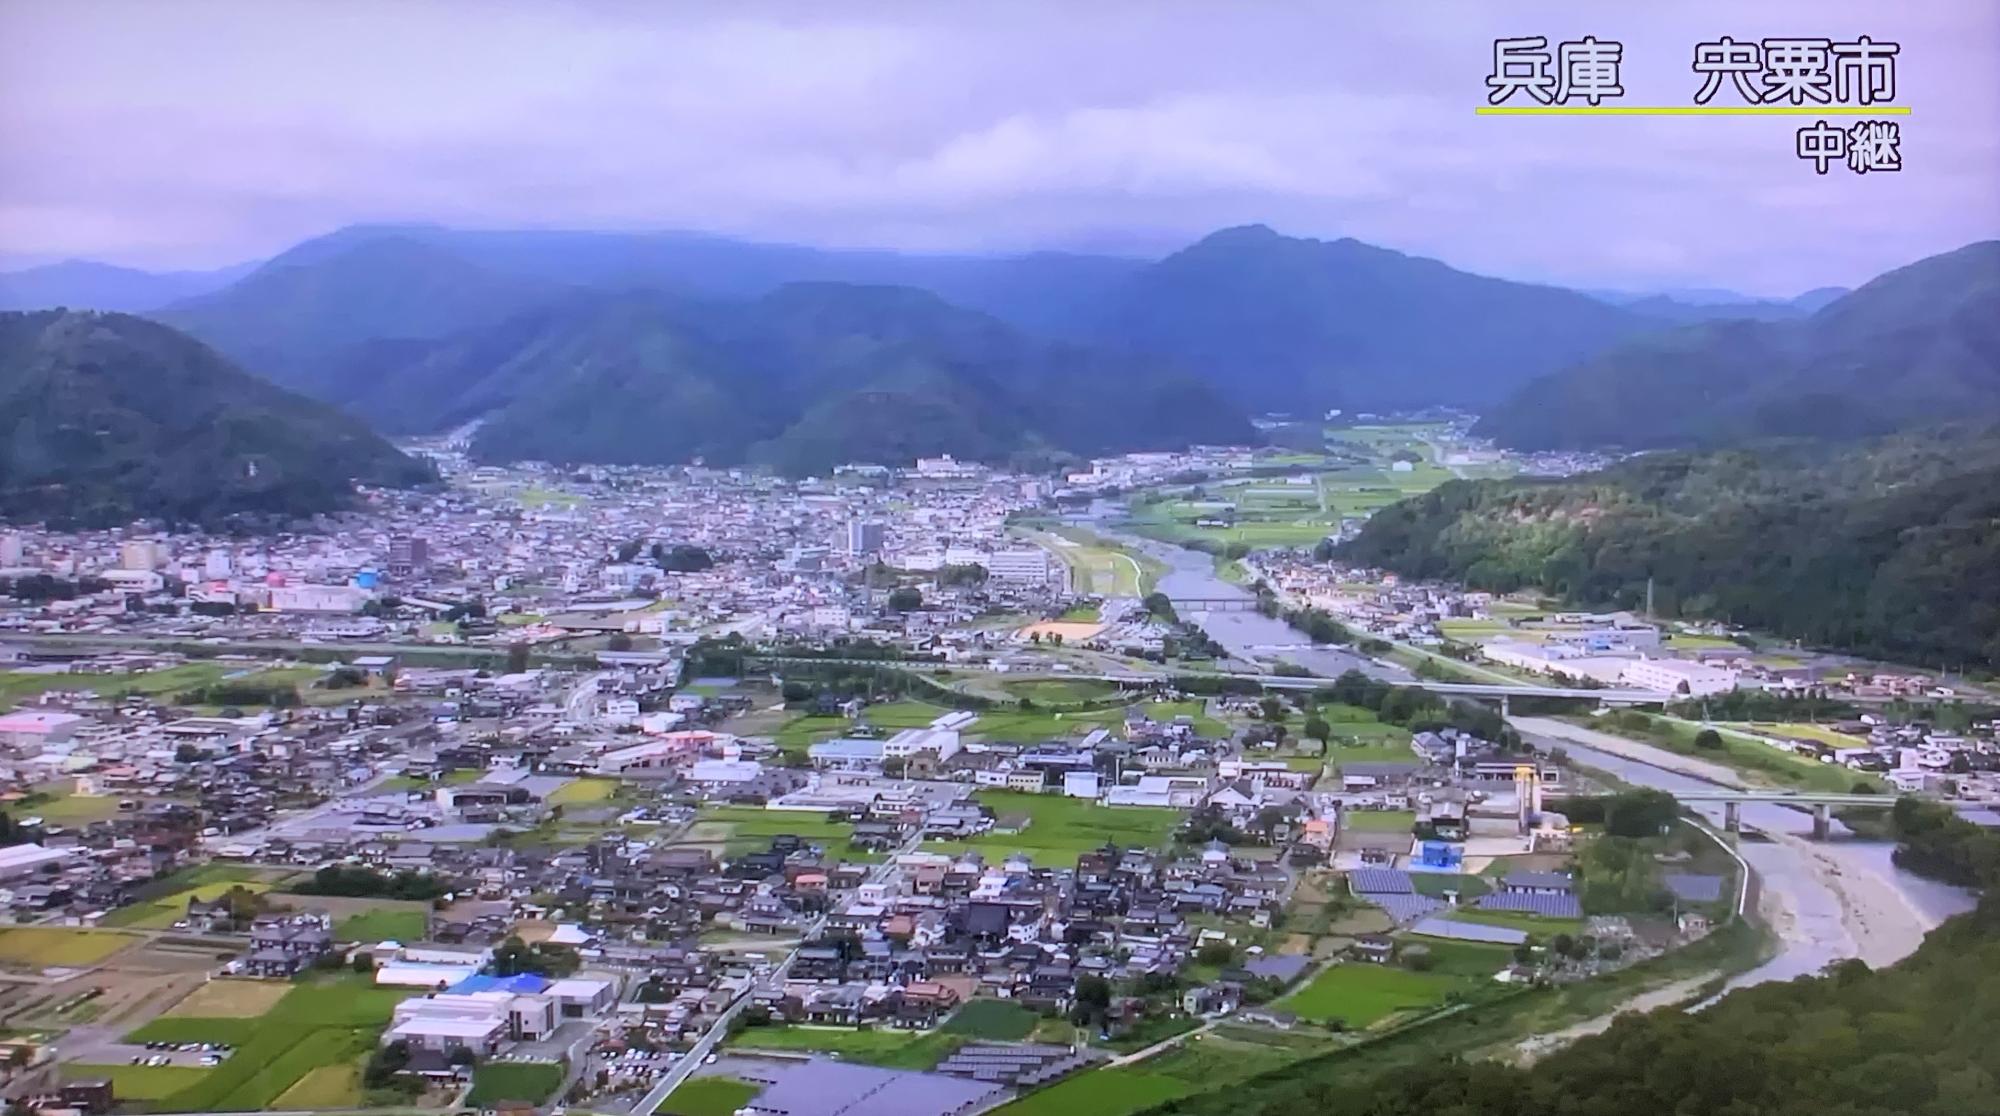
(519, 984)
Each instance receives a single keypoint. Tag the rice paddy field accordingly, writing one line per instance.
(1360, 994)
(1060, 829)
(886, 1047)
(41, 947)
(708, 1096)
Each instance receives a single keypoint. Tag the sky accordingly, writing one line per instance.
(200, 133)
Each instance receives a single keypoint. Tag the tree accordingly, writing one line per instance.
(1160, 606)
(1640, 813)
(1272, 708)
(794, 692)
(906, 599)
(1092, 1003)
(187, 753)
(1215, 954)
(517, 658)
(1708, 739)
(1316, 728)
(619, 641)
(629, 549)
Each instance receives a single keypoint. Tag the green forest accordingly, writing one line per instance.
(1886, 547)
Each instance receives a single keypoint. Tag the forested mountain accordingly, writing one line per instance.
(83, 285)
(297, 319)
(1914, 1039)
(110, 418)
(806, 377)
(1887, 546)
(1919, 344)
(1300, 325)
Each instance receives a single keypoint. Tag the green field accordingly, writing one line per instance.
(1358, 994)
(1533, 925)
(1097, 565)
(1060, 691)
(746, 829)
(1115, 1091)
(583, 792)
(328, 1021)
(42, 947)
(1760, 762)
(383, 926)
(16, 686)
(137, 1083)
(708, 1096)
(996, 1020)
(1060, 829)
(58, 804)
(1378, 821)
(335, 1086)
(493, 1082)
(886, 1047)
(162, 913)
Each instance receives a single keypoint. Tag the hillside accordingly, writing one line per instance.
(84, 285)
(297, 319)
(1301, 325)
(1886, 547)
(111, 418)
(807, 377)
(1919, 344)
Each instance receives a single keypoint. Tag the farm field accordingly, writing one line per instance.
(1532, 925)
(1116, 1091)
(891, 1049)
(1378, 821)
(43, 947)
(1019, 725)
(994, 1020)
(327, 1022)
(1359, 994)
(230, 999)
(58, 804)
(382, 926)
(742, 829)
(708, 1096)
(137, 1083)
(1060, 691)
(1061, 828)
(337, 1086)
(162, 913)
(518, 1081)
(583, 792)
(15, 686)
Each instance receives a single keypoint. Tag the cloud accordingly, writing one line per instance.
(206, 131)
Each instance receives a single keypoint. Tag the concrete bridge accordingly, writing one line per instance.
(1821, 803)
(1214, 604)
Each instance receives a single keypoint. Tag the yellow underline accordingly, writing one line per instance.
(1693, 110)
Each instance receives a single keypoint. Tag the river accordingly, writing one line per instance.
(1825, 900)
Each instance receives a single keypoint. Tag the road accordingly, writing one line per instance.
(719, 1030)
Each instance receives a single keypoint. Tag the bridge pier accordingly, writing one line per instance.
(1732, 817)
(1505, 712)
(1822, 821)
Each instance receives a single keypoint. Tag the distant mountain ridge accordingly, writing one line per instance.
(111, 417)
(1918, 344)
(86, 285)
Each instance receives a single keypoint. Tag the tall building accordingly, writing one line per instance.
(217, 567)
(139, 554)
(1025, 566)
(10, 550)
(864, 536)
(408, 554)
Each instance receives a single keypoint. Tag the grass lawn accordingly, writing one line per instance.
(749, 828)
(708, 1096)
(1207, 1061)
(993, 1019)
(46, 946)
(1082, 614)
(162, 913)
(137, 1083)
(578, 792)
(519, 1081)
(383, 926)
(884, 1047)
(1387, 752)
(15, 685)
(1378, 821)
(1116, 1091)
(1358, 993)
(1435, 884)
(1061, 828)
(1475, 961)
(1759, 761)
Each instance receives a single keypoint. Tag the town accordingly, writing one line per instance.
(692, 790)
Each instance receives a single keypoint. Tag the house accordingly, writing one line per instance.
(282, 947)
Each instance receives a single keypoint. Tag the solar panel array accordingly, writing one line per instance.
(1469, 931)
(1024, 1065)
(1693, 887)
(1405, 908)
(1547, 906)
(1380, 881)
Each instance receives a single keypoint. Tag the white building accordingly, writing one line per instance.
(1028, 566)
(317, 598)
(33, 731)
(1679, 676)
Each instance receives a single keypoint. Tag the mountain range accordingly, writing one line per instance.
(84, 285)
(111, 417)
(666, 346)
(1918, 344)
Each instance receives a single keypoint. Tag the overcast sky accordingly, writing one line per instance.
(196, 133)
